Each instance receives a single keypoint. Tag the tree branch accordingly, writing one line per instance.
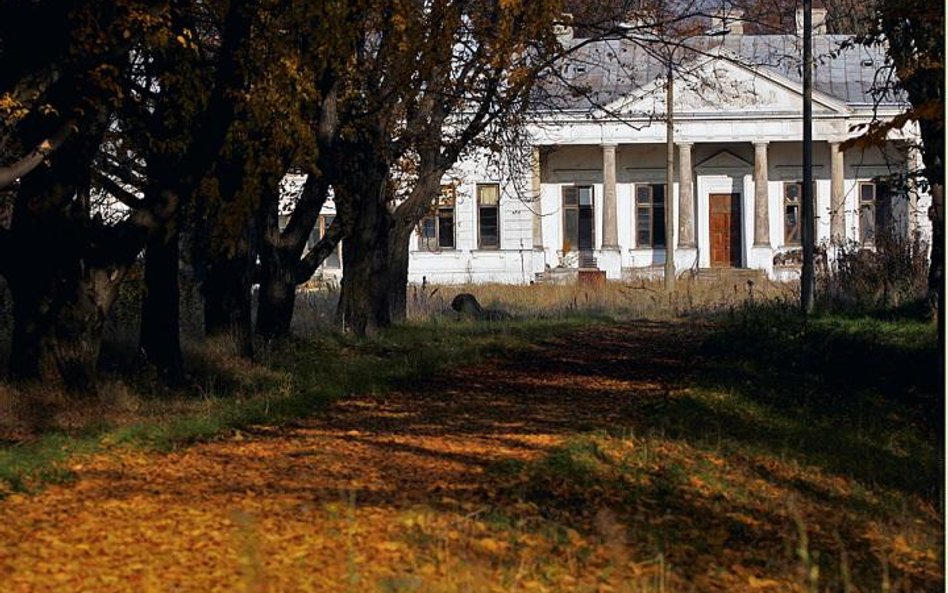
(10, 173)
(312, 260)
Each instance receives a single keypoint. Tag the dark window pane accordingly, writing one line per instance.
(643, 226)
(643, 194)
(570, 196)
(428, 234)
(585, 227)
(867, 193)
(658, 196)
(791, 224)
(446, 228)
(571, 232)
(791, 192)
(658, 226)
(867, 223)
(488, 226)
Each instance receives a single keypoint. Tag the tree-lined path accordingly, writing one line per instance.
(602, 460)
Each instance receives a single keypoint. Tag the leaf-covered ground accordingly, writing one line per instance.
(632, 457)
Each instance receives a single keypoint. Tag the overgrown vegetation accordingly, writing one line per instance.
(888, 278)
(744, 449)
(43, 428)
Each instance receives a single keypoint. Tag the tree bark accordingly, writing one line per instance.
(57, 334)
(398, 272)
(64, 289)
(277, 295)
(228, 305)
(364, 301)
(159, 337)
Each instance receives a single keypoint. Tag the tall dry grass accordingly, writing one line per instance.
(644, 299)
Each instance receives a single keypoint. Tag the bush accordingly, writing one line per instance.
(889, 275)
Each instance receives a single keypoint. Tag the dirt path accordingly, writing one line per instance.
(319, 505)
(380, 493)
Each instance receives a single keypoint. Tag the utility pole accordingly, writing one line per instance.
(808, 277)
(669, 179)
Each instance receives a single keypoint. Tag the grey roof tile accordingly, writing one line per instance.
(604, 71)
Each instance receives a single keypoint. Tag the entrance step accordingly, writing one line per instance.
(587, 260)
(730, 275)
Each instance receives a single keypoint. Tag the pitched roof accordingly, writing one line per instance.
(603, 71)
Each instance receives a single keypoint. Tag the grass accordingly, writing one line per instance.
(784, 454)
(809, 446)
(639, 299)
(226, 394)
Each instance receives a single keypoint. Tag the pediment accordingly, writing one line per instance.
(723, 160)
(721, 85)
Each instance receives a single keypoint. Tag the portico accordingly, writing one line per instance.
(594, 187)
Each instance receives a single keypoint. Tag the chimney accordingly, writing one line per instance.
(728, 21)
(563, 29)
(819, 21)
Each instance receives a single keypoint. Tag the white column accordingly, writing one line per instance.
(915, 168)
(537, 202)
(761, 197)
(837, 195)
(686, 197)
(610, 224)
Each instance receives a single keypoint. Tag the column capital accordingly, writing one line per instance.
(684, 144)
(761, 143)
(607, 145)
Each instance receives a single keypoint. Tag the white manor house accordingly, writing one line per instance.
(593, 196)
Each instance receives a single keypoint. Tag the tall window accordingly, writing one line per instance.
(792, 212)
(874, 211)
(650, 215)
(437, 229)
(488, 216)
(577, 217)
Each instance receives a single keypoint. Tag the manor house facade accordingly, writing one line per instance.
(592, 194)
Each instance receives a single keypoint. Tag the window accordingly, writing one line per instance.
(792, 212)
(577, 217)
(874, 213)
(650, 215)
(334, 259)
(488, 216)
(437, 229)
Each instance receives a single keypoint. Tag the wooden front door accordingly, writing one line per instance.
(725, 230)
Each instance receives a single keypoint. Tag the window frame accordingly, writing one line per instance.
(881, 211)
(445, 203)
(651, 206)
(799, 206)
(496, 207)
(578, 188)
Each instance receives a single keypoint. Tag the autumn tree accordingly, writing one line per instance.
(427, 82)
(287, 258)
(63, 291)
(177, 107)
(63, 288)
(913, 35)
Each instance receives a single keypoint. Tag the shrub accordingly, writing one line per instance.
(891, 274)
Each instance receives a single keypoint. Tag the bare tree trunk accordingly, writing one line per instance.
(398, 272)
(364, 301)
(58, 319)
(227, 288)
(64, 289)
(277, 295)
(159, 338)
